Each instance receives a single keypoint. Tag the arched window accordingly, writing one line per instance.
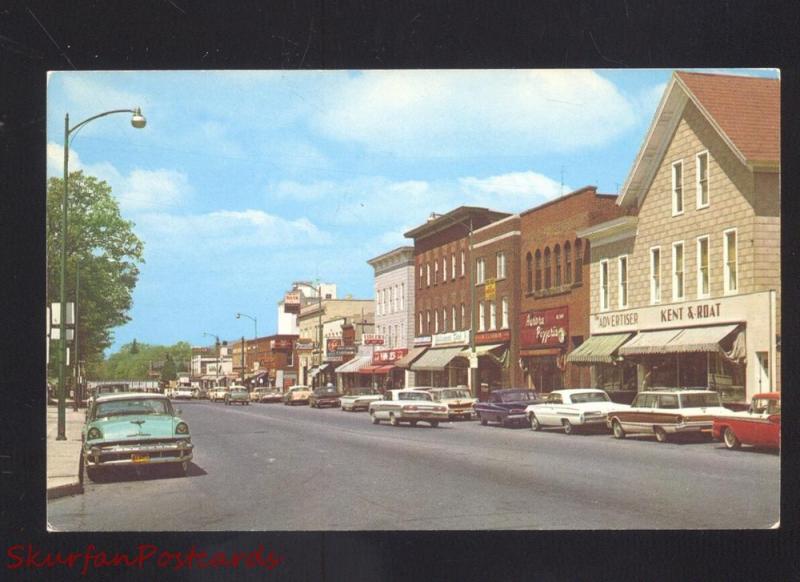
(557, 256)
(567, 263)
(548, 280)
(578, 261)
(538, 269)
(529, 271)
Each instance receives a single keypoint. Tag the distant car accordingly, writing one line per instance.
(759, 425)
(134, 429)
(217, 394)
(573, 409)
(460, 403)
(668, 412)
(237, 395)
(183, 393)
(200, 393)
(325, 396)
(507, 406)
(359, 400)
(297, 395)
(409, 406)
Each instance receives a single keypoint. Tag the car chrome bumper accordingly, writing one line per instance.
(423, 416)
(123, 455)
(688, 427)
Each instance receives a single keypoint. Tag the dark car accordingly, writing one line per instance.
(507, 406)
(325, 396)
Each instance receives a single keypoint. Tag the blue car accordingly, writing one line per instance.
(507, 406)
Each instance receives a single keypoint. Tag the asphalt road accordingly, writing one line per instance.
(273, 467)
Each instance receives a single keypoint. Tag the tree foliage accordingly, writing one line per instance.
(168, 370)
(104, 247)
(127, 365)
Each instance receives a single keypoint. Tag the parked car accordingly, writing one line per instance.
(325, 396)
(265, 394)
(200, 393)
(237, 395)
(759, 425)
(183, 393)
(217, 394)
(134, 429)
(573, 409)
(507, 406)
(409, 406)
(359, 400)
(460, 403)
(297, 395)
(668, 412)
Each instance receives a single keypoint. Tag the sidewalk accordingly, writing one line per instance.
(63, 457)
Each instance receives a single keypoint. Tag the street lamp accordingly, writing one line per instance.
(138, 121)
(254, 320)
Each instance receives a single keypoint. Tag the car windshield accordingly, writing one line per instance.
(518, 395)
(414, 396)
(582, 397)
(768, 405)
(700, 400)
(460, 393)
(133, 406)
(328, 390)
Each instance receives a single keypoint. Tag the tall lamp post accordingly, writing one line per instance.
(253, 319)
(138, 121)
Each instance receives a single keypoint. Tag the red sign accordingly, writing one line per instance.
(488, 337)
(387, 356)
(333, 344)
(291, 302)
(547, 327)
(372, 339)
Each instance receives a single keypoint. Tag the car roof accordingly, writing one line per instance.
(569, 391)
(676, 391)
(130, 396)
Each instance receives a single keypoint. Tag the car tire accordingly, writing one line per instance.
(617, 429)
(393, 419)
(535, 424)
(484, 422)
(730, 440)
(91, 474)
(661, 434)
(375, 419)
(413, 423)
(568, 428)
(434, 423)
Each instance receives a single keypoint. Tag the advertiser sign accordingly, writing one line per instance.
(380, 357)
(546, 327)
(372, 339)
(291, 302)
(304, 345)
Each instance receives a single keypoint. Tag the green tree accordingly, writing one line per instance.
(134, 347)
(168, 371)
(126, 365)
(104, 247)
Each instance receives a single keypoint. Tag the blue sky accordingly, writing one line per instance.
(244, 181)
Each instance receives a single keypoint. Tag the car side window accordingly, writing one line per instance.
(554, 399)
(668, 401)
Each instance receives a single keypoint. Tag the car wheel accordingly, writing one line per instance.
(661, 434)
(413, 423)
(484, 422)
(535, 424)
(619, 433)
(434, 423)
(730, 439)
(91, 474)
(393, 419)
(375, 419)
(568, 428)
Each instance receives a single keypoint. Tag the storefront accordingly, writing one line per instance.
(404, 364)
(492, 349)
(348, 376)
(726, 344)
(544, 336)
(383, 373)
(444, 364)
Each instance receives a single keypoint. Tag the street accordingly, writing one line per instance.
(273, 467)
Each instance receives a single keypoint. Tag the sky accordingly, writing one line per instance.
(245, 181)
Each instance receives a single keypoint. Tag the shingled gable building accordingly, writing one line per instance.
(443, 297)
(688, 290)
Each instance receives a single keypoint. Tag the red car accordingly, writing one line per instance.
(759, 425)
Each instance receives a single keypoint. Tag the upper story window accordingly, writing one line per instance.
(504, 321)
(603, 285)
(547, 278)
(481, 317)
(501, 265)
(578, 261)
(453, 266)
(435, 272)
(538, 269)
(529, 272)
(567, 263)
(453, 317)
(677, 271)
(436, 321)
(703, 275)
(701, 171)
(730, 258)
(677, 188)
(655, 275)
(492, 315)
(428, 274)
(421, 276)
(464, 317)
(444, 269)
(463, 264)
(419, 328)
(623, 282)
(557, 258)
(480, 270)
(444, 318)
(428, 322)
(402, 296)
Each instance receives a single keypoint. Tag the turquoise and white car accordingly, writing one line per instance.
(134, 429)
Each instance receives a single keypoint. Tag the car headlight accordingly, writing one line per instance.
(182, 428)
(93, 434)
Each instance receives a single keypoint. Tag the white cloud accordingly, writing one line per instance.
(428, 113)
(524, 187)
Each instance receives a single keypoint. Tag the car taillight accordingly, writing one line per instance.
(410, 408)
(516, 411)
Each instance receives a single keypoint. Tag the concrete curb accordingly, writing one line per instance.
(74, 488)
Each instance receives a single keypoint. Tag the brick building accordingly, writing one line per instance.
(443, 296)
(688, 291)
(553, 315)
(271, 360)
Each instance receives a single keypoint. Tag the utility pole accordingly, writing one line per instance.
(319, 304)
(76, 390)
(242, 360)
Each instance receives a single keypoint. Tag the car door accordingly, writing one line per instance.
(550, 415)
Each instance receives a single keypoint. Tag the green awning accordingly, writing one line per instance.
(435, 359)
(598, 349)
(481, 350)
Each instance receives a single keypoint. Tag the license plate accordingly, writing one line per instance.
(140, 458)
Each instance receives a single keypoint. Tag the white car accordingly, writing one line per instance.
(573, 409)
(183, 393)
(409, 406)
(460, 403)
(359, 401)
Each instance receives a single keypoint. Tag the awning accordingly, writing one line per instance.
(435, 359)
(678, 341)
(375, 370)
(312, 372)
(354, 365)
(325, 366)
(408, 359)
(481, 350)
(598, 349)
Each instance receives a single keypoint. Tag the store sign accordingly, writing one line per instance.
(280, 344)
(304, 345)
(424, 340)
(546, 327)
(387, 356)
(490, 289)
(729, 309)
(451, 338)
(372, 339)
(332, 344)
(490, 337)
(291, 302)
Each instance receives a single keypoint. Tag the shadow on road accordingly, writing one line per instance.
(123, 474)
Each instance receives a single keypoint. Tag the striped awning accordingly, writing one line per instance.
(410, 357)
(354, 365)
(481, 350)
(598, 349)
(678, 341)
(375, 370)
(435, 359)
